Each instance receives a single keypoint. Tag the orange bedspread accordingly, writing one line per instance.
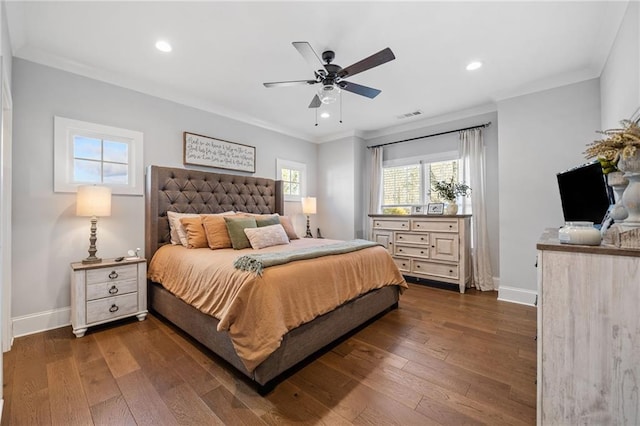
(257, 311)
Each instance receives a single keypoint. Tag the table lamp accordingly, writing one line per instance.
(308, 208)
(93, 201)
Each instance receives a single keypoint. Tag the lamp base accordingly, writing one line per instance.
(91, 259)
(309, 234)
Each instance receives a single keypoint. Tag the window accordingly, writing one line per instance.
(293, 177)
(408, 182)
(88, 153)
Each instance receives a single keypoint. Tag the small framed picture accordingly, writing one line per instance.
(435, 208)
(417, 210)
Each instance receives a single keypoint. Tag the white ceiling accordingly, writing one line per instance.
(224, 51)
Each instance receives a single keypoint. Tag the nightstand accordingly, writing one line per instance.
(107, 291)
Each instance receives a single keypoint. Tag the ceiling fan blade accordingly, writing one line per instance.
(315, 102)
(359, 89)
(374, 60)
(290, 83)
(309, 55)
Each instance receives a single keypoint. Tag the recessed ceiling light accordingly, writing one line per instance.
(474, 65)
(163, 46)
(325, 115)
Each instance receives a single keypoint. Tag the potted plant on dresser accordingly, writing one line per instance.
(449, 191)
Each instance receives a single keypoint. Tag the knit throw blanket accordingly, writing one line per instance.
(257, 262)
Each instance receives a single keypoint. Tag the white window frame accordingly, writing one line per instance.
(65, 129)
(293, 165)
(422, 160)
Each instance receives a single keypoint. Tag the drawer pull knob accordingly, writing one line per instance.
(421, 238)
(113, 308)
(450, 271)
(433, 246)
(113, 290)
(417, 266)
(421, 252)
(113, 275)
(403, 225)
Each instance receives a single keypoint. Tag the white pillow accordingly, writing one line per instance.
(178, 232)
(266, 236)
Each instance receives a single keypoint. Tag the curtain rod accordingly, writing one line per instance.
(430, 136)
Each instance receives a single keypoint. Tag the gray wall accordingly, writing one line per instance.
(540, 135)
(620, 79)
(47, 234)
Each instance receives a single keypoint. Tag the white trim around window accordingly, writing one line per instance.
(293, 165)
(65, 132)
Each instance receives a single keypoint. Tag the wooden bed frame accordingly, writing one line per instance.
(193, 191)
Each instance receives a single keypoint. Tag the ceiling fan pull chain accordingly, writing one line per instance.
(340, 108)
(316, 110)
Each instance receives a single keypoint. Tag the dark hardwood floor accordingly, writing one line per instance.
(441, 358)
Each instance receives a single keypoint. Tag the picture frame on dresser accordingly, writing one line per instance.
(435, 208)
(417, 209)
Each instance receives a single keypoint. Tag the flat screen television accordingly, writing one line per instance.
(584, 194)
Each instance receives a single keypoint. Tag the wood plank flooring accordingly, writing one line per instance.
(441, 358)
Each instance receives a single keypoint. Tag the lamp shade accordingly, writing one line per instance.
(309, 205)
(93, 200)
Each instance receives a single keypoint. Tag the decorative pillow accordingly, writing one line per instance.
(178, 233)
(267, 220)
(196, 238)
(236, 227)
(215, 229)
(285, 221)
(266, 236)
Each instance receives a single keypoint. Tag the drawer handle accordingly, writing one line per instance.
(113, 275)
(113, 308)
(417, 266)
(403, 225)
(113, 290)
(399, 237)
(433, 246)
(399, 249)
(451, 271)
(421, 238)
(450, 226)
(421, 252)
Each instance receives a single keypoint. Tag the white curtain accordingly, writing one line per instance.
(375, 196)
(473, 171)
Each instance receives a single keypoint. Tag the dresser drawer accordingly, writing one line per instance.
(119, 273)
(404, 265)
(412, 238)
(440, 270)
(112, 307)
(434, 225)
(118, 287)
(412, 251)
(391, 224)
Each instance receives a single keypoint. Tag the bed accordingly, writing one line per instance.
(193, 191)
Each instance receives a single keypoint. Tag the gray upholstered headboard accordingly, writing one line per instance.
(194, 191)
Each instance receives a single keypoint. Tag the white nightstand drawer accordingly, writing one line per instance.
(114, 273)
(412, 238)
(116, 288)
(112, 307)
(412, 251)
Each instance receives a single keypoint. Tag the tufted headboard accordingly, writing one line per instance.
(194, 191)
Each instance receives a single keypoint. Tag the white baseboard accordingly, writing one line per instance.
(517, 295)
(41, 321)
(496, 283)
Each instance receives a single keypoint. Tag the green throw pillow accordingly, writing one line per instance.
(236, 227)
(267, 220)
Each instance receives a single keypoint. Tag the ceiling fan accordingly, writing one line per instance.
(332, 76)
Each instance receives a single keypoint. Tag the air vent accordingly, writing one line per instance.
(409, 114)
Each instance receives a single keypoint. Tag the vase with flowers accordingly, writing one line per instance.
(621, 150)
(449, 191)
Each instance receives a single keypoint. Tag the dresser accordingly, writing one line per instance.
(588, 334)
(107, 291)
(428, 247)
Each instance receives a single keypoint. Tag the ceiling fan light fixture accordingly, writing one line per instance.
(328, 94)
(325, 114)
